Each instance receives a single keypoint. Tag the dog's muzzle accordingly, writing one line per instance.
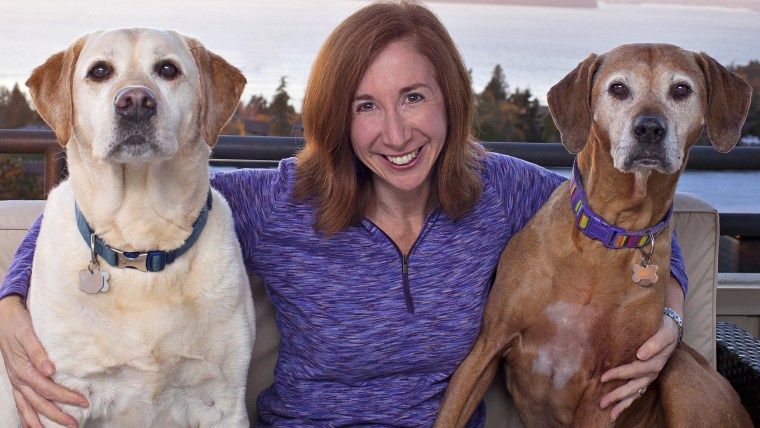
(650, 133)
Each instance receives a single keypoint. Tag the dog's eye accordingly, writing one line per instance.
(167, 70)
(99, 71)
(618, 90)
(681, 91)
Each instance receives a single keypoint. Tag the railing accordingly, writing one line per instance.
(266, 152)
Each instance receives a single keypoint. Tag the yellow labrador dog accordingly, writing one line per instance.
(139, 292)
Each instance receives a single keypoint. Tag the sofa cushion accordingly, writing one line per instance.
(16, 217)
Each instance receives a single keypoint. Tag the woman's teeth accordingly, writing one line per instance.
(403, 160)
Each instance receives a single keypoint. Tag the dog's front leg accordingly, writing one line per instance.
(469, 384)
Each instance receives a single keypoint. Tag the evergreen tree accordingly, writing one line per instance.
(19, 113)
(282, 113)
(256, 106)
(751, 73)
(505, 116)
(5, 97)
(496, 88)
(526, 115)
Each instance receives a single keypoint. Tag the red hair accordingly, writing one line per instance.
(328, 173)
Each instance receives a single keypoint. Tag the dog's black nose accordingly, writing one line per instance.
(135, 103)
(649, 129)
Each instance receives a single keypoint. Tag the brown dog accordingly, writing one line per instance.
(564, 308)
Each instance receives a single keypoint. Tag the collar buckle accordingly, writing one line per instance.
(131, 260)
(152, 261)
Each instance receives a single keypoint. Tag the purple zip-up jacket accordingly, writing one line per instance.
(369, 336)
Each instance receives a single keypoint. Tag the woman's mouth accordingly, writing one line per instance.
(403, 159)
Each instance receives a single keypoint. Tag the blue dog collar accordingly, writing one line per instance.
(149, 261)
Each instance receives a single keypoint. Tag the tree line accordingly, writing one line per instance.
(502, 114)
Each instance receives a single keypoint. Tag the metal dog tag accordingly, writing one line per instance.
(644, 275)
(92, 281)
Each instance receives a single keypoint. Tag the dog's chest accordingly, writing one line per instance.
(569, 328)
(140, 318)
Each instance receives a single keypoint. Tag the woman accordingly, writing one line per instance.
(371, 241)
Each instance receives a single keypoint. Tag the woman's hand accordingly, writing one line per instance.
(652, 356)
(29, 369)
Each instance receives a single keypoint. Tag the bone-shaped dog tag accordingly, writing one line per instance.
(644, 275)
(92, 281)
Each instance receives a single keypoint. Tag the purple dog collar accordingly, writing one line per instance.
(595, 227)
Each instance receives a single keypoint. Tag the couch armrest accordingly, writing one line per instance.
(698, 227)
(739, 362)
(16, 217)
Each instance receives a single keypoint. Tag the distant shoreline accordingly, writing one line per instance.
(753, 5)
(586, 4)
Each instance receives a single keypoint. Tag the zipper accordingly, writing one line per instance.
(405, 282)
(405, 258)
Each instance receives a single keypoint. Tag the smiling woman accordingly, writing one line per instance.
(401, 91)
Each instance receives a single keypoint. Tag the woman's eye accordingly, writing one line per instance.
(99, 71)
(414, 98)
(167, 70)
(365, 107)
(618, 90)
(681, 91)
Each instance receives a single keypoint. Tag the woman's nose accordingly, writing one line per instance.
(396, 129)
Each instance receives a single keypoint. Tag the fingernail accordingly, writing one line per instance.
(642, 354)
(47, 368)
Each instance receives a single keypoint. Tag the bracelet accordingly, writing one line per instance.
(677, 318)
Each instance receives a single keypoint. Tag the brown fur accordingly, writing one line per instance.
(563, 308)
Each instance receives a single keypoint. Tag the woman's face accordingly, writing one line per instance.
(398, 124)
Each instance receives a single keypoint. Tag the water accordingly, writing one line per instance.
(269, 39)
(727, 191)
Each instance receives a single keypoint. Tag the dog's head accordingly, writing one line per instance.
(134, 95)
(649, 102)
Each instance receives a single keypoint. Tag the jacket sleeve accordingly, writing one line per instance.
(677, 268)
(20, 271)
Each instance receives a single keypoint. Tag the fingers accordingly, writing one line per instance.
(45, 407)
(664, 340)
(29, 368)
(653, 355)
(26, 412)
(48, 390)
(38, 357)
(626, 401)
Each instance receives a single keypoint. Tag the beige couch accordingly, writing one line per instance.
(698, 234)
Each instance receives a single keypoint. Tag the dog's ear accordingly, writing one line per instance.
(50, 87)
(221, 87)
(728, 99)
(570, 104)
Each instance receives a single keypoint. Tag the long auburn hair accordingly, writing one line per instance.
(327, 171)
